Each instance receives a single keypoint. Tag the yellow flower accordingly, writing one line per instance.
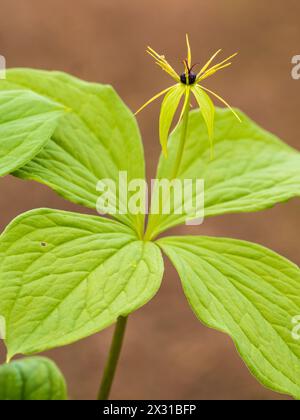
(186, 84)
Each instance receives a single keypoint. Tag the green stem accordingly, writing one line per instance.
(180, 150)
(112, 361)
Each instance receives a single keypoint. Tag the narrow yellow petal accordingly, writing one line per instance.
(223, 101)
(189, 54)
(210, 72)
(152, 52)
(168, 70)
(204, 68)
(219, 65)
(186, 71)
(156, 57)
(224, 61)
(153, 99)
(163, 63)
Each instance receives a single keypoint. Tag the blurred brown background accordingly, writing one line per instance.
(167, 352)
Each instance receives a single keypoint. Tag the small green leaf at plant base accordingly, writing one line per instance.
(65, 276)
(97, 139)
(27, 122)
(250, 293)
(252, 169)
(35, 378)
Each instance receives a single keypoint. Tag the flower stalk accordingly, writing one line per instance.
(113, 358)
(185, 120)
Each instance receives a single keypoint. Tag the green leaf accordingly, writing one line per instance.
(96, 140)
(252, 169)
(27, 122)
(65, 276)
(36, 378)
(168, 109)
(207, 110)
(250, 293)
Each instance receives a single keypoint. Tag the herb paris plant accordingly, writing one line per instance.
(64, 276)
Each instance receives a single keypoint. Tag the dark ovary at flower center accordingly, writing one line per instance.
(191, 78)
